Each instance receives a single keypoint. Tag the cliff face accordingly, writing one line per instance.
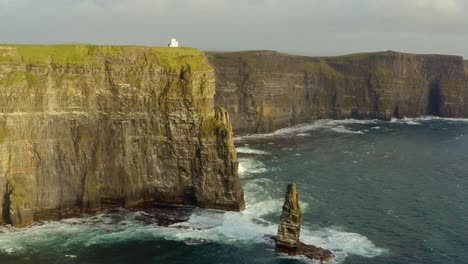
(90, 127)
(265, 90)
(466, 75)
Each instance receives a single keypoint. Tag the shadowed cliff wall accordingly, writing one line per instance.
(89, 127)
(266, 90)
(466, 75)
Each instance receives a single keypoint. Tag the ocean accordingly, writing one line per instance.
(371, 191)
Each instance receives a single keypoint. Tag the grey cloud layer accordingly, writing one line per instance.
(298, 26)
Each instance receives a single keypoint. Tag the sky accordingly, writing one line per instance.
(307, 27)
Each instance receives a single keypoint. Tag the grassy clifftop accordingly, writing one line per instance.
(94, 55)
(351, 64)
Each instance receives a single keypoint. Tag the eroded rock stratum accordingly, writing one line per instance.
(289, 230)
(266, 90)
(88, 127)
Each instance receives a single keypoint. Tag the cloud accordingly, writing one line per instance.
(418, 8)
(447, 6)
(239, 8)
(317, 26)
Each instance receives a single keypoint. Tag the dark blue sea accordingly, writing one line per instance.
(371, 191)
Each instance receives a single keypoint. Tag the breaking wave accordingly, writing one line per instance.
(248, 166)
(340, 126)
(247, 150)
(419, 120)
(203, 226)
(342, 129)
(302, 129)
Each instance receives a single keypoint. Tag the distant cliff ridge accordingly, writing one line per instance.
(267, 90)
(87, 127)
(466, 74)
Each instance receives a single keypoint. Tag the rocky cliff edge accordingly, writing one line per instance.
(86, 127)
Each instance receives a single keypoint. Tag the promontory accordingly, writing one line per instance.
(85, 127)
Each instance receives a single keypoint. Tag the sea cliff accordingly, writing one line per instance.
(86, 127)
(266, 90)
(466, 74)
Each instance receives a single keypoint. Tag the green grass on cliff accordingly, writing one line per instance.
(3, 134)
(364, 55)
(320, 66)
(94, 55)
(334, 69)
(17, 77)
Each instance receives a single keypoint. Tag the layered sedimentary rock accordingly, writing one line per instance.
(289, 229)
(466, 74)
(90, 127)
(266, 90)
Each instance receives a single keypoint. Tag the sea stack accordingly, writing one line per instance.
(289, 229)
(291, 221)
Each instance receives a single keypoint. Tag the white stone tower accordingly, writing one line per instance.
(174, 43)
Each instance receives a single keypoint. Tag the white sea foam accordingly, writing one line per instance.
(341, 242)
(12, 250)
(203, 226)
(353, 121)
(455, 119)
(418, 120)
(247, 150)
(339, 126)
(342, 129)
(413, 123)
(409, 121)
(302, 129)
(248, 166)
(249, 225)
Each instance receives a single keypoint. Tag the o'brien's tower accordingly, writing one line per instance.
(174, 43)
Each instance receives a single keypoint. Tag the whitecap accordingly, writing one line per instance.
(342, 129)
(248, 166)
(413, 123)
(246, 150)
(11, 250)
(289, 131)
(341, 243)
(302, 129)
(354, 121)
(418, 120)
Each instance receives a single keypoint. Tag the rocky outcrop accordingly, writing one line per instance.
(87, 127)
(265, 90)
(289, 229)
